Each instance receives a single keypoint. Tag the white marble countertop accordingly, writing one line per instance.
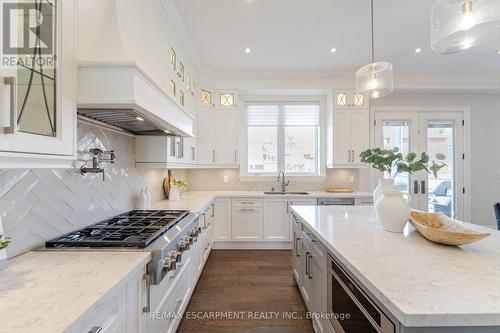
(419, 282)
(197, 201)
(48, 291)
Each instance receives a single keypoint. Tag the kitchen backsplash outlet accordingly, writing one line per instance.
(40, 204)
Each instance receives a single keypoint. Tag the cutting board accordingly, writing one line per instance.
(166, 184)
(340, 190)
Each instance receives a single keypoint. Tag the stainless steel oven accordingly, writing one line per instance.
(351, 310)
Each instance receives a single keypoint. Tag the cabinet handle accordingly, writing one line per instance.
(11, 129)
(193, 153)
(307, 263)
(288, 207)
(308, 260)
(247, 202)
(415, 187)
(178, 306)
(309, 238)
(423, 188)
(147, 306)
(213, 156)
(353, 156)
(235, 156)
(96, 329)
(297, 249)
(247, 210)
(213, 210)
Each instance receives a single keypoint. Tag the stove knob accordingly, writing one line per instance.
(169, 265)
(183, 246)
(194, 232)
(189, 240)
(176, 255)
(199, 230)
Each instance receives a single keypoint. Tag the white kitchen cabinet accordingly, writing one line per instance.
(164, 152)
(348, 98)
(351, 128)
(277, 224)
(276, 220)
(226, 99)
(246, 220)
(207, 135)
(227, 137)
(29, 137)
(222, 219)
(317, 277)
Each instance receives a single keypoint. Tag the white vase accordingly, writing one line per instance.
(175, 193)
(383, 185)
(393, 210)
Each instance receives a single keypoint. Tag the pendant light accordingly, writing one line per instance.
(460, 24)
(376, 78)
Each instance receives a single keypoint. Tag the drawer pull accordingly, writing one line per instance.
(96, 329)
(308, 236)
(12, 128)
(147, 306)
(178, 306)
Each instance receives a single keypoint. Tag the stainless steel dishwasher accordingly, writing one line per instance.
(336, 201)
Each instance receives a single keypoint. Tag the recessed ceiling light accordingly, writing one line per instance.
(333, 50)
(139, 118)
(418, 50)
(247, 50)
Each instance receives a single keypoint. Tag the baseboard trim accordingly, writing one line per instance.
(252, 246)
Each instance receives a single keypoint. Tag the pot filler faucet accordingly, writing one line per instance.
(96, 160)
(284, 183)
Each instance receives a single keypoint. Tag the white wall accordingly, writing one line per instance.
(484, 138)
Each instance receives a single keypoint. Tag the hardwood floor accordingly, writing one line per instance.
(257, 286)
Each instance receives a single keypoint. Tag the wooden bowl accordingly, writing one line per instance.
(438, 228)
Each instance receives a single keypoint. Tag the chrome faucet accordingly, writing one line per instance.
(96, 160)
(284, 183)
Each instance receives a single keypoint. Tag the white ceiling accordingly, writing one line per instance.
(296, 36)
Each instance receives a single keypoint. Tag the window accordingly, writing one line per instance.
(283, 136)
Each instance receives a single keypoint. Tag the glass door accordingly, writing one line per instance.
(394, 129)
(433, 133)
(441, 133)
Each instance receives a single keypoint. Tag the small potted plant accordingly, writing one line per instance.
(393, 207)
(4, 242)
(176, 186)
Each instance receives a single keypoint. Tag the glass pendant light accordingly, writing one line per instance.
(460, 24)
(376, 78)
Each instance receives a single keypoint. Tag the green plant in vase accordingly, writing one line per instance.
(391, 206)
(4, 242)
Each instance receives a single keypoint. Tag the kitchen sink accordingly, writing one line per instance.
(283, 193)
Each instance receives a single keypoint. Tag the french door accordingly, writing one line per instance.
(433, 133)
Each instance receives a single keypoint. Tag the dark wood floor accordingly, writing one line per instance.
(251, 283)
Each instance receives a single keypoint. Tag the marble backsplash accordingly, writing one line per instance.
(39, 204)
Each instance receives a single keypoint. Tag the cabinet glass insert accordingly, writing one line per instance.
(206, 97)
(37, 75)
(341, 99)
(227, 99)
(359, 99)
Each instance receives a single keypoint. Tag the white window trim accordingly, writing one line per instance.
(243, 139)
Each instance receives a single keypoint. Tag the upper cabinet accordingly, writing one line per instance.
(227, 99)
(350, 99)
(351, 128)
(37, 101)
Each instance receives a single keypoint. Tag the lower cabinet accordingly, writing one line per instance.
(276, 220)
(309, 270)
(246, 223)
(222, 219)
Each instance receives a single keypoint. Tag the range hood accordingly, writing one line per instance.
(120, 94)
(123, 67)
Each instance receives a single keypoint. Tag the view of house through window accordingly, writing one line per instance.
(283, 136)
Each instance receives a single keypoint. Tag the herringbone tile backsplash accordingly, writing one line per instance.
(39, 204)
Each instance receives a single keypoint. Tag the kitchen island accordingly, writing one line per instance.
(421, 286)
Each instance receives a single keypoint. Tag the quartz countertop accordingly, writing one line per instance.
(197, 201)
(421, 283)
(48, 291)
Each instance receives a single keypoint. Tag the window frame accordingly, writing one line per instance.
(321, 149)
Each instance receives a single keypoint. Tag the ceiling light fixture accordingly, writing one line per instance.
(418, 50)
(247, 50)
(376, 78)
(333, 50)
(457, 25)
